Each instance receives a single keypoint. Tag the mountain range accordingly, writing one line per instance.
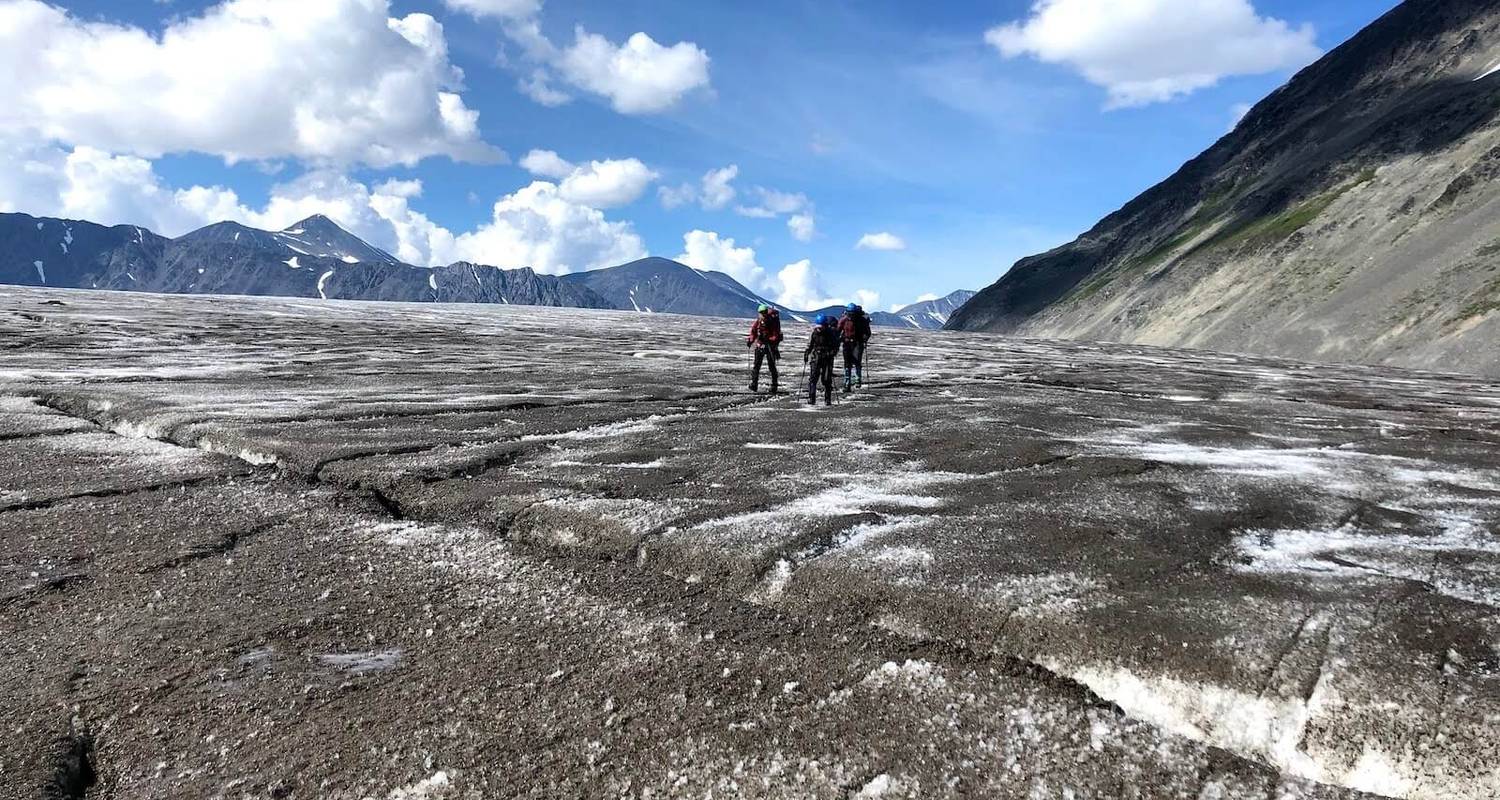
(317, 258)
(1353, 215)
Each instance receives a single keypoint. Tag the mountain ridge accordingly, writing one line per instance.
(316, 258)
(1350, 216)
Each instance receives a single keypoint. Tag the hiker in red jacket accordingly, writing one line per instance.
(765, 339)
(854, 328)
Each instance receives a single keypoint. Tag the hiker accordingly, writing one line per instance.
(822, 348)
(765, 339)
(854, 328)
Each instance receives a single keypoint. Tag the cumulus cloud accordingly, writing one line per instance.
(718, 187)
(715, 191)
(801, 221)
(801, 288)
(535, 226)
(246, 79)
(600, 184)
(803, 227)
(638, 77)
(539, 228)
(795, 286)
(547, 164)
(883, 240)
(1151, 51)
(706, 250)
(773, 203)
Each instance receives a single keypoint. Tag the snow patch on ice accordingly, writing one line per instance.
(1266, 727)
(322, 282)
(1050, 595)
(604, 431)
(435, 786)
(246, 455)
(1376, 774)
(41, 270)
(913, 675)
(1349, 553)
(877, 787)
(432, 281)
(292, 262)
(350, 260)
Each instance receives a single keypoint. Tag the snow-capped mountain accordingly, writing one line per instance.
(934, 314)
(317, 258)
(320, 236)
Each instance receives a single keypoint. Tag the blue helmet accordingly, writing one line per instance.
(851, 307)
(820, 320)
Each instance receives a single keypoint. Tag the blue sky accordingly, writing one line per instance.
(871, 117)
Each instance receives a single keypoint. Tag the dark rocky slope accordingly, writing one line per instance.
(1351, 216)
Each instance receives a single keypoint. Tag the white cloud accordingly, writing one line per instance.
(1150, 51)
(638, 77)
(801, 220)
(607, 184)
(547, 164)
(867, 298)
(796, 286)
(801, 288)
(716, 190)
(927, 298)
(538, 86)
(537, 227)
(503, 9)
(600, 184)
(245, 80)
(718, 187)
(773, 203)
(883, 240)
(675, 196)
(534, 226)
(803, 227)
(706, 250)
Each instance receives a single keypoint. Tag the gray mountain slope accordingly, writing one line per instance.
(314, 258)
(317, 258)
(1351, 216)
(665, 286)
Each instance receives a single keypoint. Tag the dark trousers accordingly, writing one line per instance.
(822, 370)
(854, 362)
(765, 354)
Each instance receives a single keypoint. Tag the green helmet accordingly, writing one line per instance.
(763, 308)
